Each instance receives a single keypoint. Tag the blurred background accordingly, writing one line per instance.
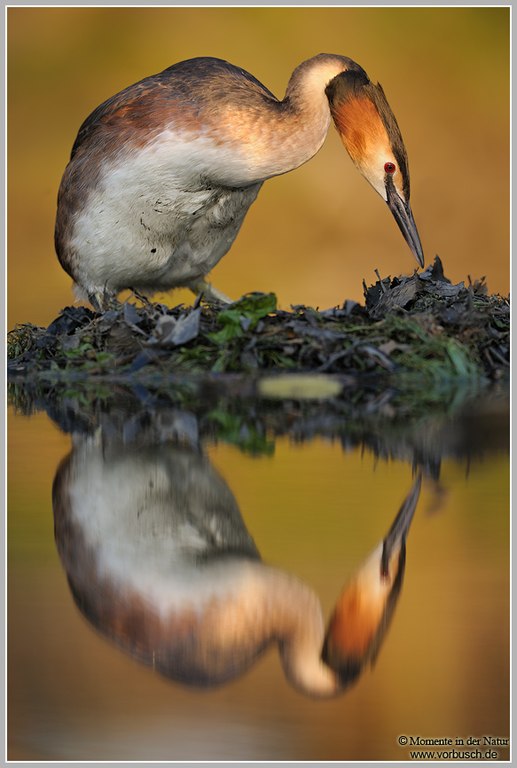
(313, 234)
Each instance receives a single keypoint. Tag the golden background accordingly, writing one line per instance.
(313, 234)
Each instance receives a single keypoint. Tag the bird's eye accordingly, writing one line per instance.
(390, 168)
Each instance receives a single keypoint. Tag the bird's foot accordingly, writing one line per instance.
(206, 292)
(103, 300)
(141, 297)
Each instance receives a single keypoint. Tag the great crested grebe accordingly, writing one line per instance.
(162, 174)
(160, 561)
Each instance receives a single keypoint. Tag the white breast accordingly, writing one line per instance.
(162, 216)
(146, 518)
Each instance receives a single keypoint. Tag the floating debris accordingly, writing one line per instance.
(299, 386)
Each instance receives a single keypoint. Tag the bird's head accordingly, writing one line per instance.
(366, 605)
(372, 138)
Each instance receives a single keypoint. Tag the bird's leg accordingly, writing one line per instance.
(103, 300)
(141, 297)
(207, 292)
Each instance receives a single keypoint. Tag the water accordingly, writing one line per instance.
(155, 511)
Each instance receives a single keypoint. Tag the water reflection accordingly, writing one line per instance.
(317, 485)
(159, 560)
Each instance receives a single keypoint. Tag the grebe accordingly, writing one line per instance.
(159, 561)
(162, 174)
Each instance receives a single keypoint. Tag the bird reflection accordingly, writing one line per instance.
(159, 560)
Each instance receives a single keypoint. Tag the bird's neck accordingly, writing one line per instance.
(306, 87)
(285, 134)
(294, 611)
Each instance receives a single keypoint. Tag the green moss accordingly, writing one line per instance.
(243, 316)
(232, 428)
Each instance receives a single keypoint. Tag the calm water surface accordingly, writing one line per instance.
(150, 591)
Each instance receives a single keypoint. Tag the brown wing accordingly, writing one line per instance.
(190, 84)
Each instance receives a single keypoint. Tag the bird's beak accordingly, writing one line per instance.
(404, 218)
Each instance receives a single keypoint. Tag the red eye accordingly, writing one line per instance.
(390, 168)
